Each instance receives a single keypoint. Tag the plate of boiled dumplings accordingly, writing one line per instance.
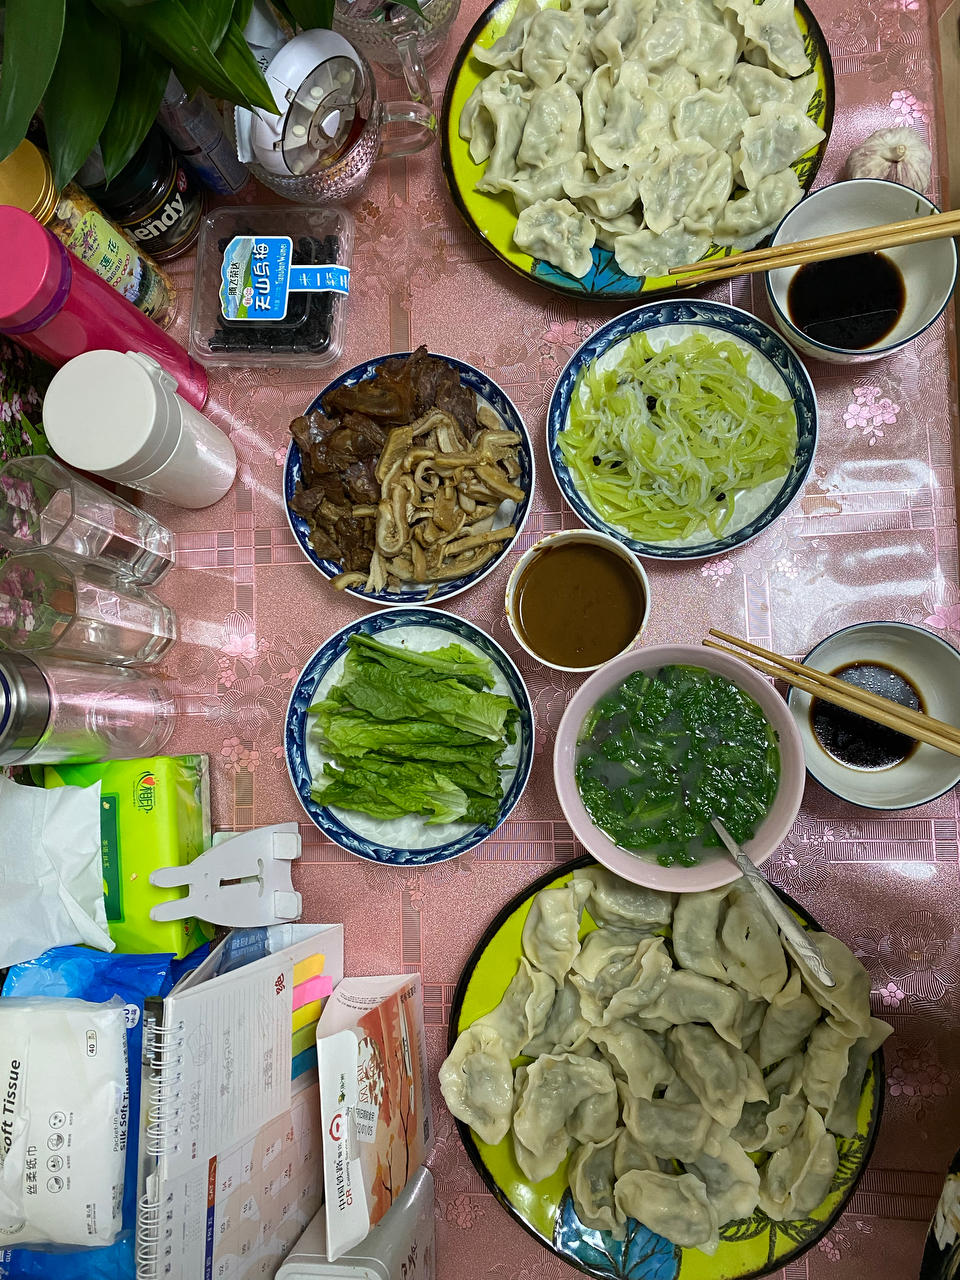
(654, 1085)
(594, 144)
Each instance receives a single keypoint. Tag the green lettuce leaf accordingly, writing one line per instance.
(410, 788)
(391, 696)
(453, 661)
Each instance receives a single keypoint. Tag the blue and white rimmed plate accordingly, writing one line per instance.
(510, 512)
(772, 364)
(402, 841)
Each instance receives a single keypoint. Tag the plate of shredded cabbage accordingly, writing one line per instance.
(682, 428)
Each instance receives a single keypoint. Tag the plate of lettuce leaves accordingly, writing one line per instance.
(409, 736)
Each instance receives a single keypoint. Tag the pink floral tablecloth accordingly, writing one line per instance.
(874, 535)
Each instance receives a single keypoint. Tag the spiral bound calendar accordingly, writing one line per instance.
(231, 1164)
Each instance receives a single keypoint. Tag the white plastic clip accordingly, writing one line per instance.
(241, 882)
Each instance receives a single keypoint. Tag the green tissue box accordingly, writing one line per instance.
(154, 813)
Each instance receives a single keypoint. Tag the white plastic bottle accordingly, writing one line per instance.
(118, 415)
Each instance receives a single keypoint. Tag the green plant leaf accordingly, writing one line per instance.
(169, 27)
(143, 78)
(311, 13)
(82, 89)
(239, 63)
(32, 33)
(212, 18)
(241, 12)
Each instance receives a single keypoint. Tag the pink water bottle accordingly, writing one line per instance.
(55, 305)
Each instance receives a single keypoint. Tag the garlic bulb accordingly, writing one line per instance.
(897, 155)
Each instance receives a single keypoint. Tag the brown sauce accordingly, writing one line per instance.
(854, 740)
(578, 604)
(847, 302)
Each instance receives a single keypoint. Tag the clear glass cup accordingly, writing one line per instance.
(55, 709)
(380, 130)
(396, 38)
(43, 504)
(51, 602)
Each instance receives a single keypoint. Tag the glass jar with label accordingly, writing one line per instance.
(154, 199)
(26, 182)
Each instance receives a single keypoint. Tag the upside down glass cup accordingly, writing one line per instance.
(335, 127)
(398, 39)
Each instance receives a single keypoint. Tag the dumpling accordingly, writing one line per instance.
(669, 185)
(750, 946)
(506, 99)
(674, 83)
(757, 85)
(610, 229)
(522, 1012)
(530, 186)
(710, 196)
(596, 1117)
(552, 128)
(772, 27)
(789, 1019)
(580, 67)
(549, 937)
(797, 1177)
(825, 1064)
(629, 1154)
(506, 51)
(773, 139)
(634, 121)
(635, 1057)
(477, 127)
(717, 116)
(671, 1205)
(842, 1115)
(564, 1027)
(552, 1089)
(696, 929)
(622, 33)
(716, 1072)
(613, 901)
(711, 55)
(768, 1126)
(671, 1130)
(619, 981)
(746, 221)
(591, 1177)
(476, 1081)
(670, 37)
(551, 39)
(689, 997)
(731, 1178)
(557, 232)
(848, 1002)
(609, 196)
(754, 1012)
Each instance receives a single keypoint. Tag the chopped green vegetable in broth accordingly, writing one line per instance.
(660, 755)
(660, 444)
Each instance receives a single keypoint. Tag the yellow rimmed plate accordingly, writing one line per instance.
(493, 218)
(749, 1248)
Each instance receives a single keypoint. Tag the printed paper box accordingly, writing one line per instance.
(374, 1101)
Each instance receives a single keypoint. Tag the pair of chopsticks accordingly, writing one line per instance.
(938, 226)
(914, 724)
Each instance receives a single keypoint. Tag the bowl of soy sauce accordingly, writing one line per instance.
(860, 308)
(858, 759)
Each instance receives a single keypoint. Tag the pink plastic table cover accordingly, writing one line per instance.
(873, 535)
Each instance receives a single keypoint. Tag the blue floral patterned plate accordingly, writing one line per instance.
(406, 841)
(749, 1247)
(510, 513)
(773, 363)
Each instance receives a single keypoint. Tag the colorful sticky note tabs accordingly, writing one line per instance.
(309, 968)
(316, 988)
(306, 1014)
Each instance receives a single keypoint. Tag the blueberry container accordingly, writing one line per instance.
(272, 286)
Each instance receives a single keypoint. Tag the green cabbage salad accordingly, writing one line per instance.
(413, 733)
(660, 444)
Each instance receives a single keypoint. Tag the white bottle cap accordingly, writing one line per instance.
(113, 413)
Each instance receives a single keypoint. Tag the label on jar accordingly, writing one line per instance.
(258, 276)
(115, 260)
(171, 224)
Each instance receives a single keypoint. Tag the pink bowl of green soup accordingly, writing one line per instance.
(660, 740)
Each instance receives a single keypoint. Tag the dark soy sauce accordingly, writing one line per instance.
(847, 302)
(854, 740)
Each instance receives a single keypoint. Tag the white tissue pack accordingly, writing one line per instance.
(63, 1121)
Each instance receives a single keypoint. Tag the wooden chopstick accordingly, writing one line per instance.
(937, 226)
(914, 724)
